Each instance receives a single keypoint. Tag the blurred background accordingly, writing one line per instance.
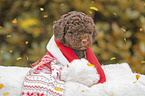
(26, 27)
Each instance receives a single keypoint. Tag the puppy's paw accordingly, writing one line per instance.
(81, 71)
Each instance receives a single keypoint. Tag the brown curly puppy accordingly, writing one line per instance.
(75, 30)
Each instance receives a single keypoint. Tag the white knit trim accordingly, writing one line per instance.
(54, 50)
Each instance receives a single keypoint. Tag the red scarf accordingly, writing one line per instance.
(70, 56)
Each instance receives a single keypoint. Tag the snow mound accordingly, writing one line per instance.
(11, 80)
(120, 81)
(79, 71)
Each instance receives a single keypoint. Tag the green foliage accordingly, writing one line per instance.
(25, 29)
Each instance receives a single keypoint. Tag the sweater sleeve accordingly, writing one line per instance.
(43, 79)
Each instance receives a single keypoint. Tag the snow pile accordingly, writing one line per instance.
(11, 79)
(121, 81)
(80, 71)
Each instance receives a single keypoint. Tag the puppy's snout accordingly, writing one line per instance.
(84, 41)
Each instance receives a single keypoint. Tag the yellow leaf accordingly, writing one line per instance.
(137, 77)
(67, 66)
(140, 29)
(90, 12)
(1, 86)
(7, 93)
(61, 4)
(42, 9)
(57, 46)
(45, 16)
(90, 65)
(14, 21)
(113, 58)
(135, 82)
(83, 91)
(0, 27)
(9, 36)
(26, 42)
(94, 8)
(19, 58)
(114, 13)
(125, 39)
(113, 94)
(26, 57)
(58, 89)
(11, 51)
(123, 29)
(1, 51)
(142, 61)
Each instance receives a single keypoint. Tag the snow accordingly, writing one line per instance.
(121, 81)
(12, 78)
(79, 71)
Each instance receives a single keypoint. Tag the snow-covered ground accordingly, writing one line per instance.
(121, 81)
(11, 79)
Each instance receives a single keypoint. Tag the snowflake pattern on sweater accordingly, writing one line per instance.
(44, 79)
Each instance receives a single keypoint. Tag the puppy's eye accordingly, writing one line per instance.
(90, 32)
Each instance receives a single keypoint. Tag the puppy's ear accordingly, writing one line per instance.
(58, 30)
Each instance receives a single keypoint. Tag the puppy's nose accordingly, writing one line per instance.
(84, 41)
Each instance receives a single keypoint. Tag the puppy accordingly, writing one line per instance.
(74, 33)
(75, 30)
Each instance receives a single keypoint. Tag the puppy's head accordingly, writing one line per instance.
(75, 30)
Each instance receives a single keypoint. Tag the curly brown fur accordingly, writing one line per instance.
(75, 30)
